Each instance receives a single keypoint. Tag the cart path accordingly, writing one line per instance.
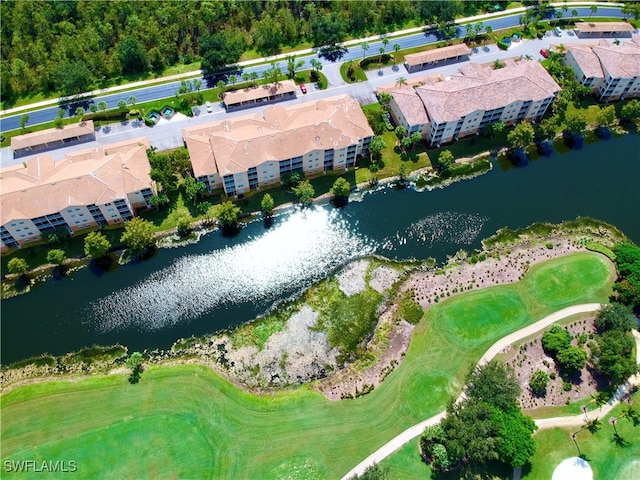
(413, 432)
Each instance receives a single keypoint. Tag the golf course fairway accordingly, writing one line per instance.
(187, 421)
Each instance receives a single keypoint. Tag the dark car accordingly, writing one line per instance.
(544, 52)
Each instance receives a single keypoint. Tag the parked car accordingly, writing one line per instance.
(303, 88)
(208, 105)
(544, 52)
(558, 31)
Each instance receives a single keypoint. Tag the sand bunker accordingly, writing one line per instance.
(573, 468)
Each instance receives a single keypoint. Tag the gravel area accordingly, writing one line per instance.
(352, 278)
(295, 355)
(382, 278)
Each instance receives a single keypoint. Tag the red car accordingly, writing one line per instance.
(303, 88)
(544, 52)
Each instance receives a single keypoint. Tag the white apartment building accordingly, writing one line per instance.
(611, 70)
(445, 109)
(99, 186)
(248, 152)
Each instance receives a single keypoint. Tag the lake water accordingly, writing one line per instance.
(220, 282)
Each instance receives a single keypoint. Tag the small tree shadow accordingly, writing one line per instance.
(619, 441)
(135, 375)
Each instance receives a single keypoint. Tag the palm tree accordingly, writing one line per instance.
(599, 398)
(594, 425)
(132, 101)
(122, 104)
(233, 78)
(573, 437)
(574, 13)
(396, 49)
(385, 42)
(401, 81)
(254, 78)
(245, 77)
(365, 47)
(630, 414)
(381, 51)
(102, 106)
(478, 27)
(470, 31)
(593, 9)
(584, 410)
(613, 421)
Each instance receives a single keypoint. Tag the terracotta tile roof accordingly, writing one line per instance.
(93, 176)
(478, 87)
(587, 60)
(52, 135)
(603, 27)
(240, 143)
(436, 54)
(620, 61)
(409, 103)
(259, 92)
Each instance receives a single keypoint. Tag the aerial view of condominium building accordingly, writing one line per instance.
(610, 69)
(247, 152)
(92, 187)
(444, 109)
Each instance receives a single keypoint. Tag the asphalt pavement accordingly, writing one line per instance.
(352, 50)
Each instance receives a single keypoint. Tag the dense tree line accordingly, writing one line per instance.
(70, 46)
(627, 261)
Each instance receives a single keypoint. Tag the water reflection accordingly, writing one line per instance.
(451, 227)
(291, 255)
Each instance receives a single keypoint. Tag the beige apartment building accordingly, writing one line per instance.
(248, 152)
(445, 109)
(94, 187)
(611, 70)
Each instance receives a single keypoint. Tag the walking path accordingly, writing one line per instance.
(576, 420)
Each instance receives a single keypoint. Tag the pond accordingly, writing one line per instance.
(222, 282)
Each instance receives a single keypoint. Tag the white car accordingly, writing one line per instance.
(208, 105)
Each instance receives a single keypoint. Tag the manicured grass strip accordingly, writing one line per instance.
(274, 435)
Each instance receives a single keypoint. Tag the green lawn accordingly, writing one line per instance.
(607, 458)
(216, 427)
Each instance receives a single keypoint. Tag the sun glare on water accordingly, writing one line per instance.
(303, 248)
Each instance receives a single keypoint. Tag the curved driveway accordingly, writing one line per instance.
(413, 432)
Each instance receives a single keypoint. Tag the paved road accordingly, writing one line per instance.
(351, 51)
(168, 135)
(413, 432)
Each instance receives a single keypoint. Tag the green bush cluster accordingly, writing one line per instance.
(410, 310)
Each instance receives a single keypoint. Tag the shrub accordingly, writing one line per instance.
(556, 339)
(410, 310)
(572, 359)
(538, 382)
(502, 45)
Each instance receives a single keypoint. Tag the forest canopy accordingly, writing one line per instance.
(67, 47)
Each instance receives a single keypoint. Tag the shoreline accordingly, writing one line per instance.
(388, 340)
(203, 227)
